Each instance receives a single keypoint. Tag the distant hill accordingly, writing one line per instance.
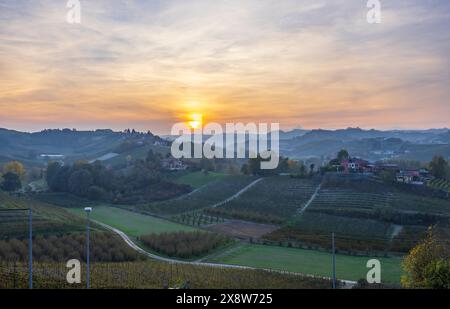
(370, 144)
(115, 147)
(69, 145)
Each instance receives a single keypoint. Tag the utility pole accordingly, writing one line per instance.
(88, 210)
(30, 248)
(334, 260)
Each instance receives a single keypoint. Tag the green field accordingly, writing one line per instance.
(198, 179)
(310, 262)
(133, 224)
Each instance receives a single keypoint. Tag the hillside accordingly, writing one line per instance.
(47, 219)
(369, 144)
(69, 145)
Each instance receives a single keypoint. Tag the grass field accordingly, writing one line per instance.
(198, 179)
(310, 262)
(133, 224)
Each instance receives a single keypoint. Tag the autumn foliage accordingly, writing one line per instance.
(185, 244)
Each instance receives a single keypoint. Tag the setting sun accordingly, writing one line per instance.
(196, 121)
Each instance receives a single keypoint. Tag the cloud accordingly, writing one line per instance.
(139, 63)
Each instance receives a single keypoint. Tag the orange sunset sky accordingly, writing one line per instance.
(148, 64)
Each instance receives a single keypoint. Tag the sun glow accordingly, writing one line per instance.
(195, 120)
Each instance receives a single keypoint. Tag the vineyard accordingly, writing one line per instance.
(47, 219)
(440, 184)
(204, 197)
(155, 275)
(105, 247)
(272, 200)
(374, 215)
(198, 179)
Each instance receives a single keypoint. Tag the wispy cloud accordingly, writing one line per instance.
(145, 63)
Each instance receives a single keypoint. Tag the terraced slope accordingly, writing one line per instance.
(204, 197)
(47, 219)
(366, 215)
(273, 200)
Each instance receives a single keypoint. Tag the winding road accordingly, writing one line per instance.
(134, 246)
(131, 244)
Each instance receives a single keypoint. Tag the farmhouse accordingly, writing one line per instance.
(414, 177)
(410, 177)
(173, 164)
(355, 165)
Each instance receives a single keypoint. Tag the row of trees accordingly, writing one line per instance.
(297, 168)
(185, 244)
(13, 174)
(142, 183)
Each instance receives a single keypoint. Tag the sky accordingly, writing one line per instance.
(149, 64)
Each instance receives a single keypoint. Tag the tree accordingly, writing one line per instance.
(208, 165)
(311, 169)
(439, 167)
(427, 265)
(34, 173)
(52, 170)
(96, 193)
(437, 275)
(16, 168)
(388, 176)
(343, 155)
(80, 182)
(11, 182)
(245, 169)
(154, 160)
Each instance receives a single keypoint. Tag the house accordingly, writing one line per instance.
(409, 177)
(387, 167)
(354, 165)
(173, 164)
(414, 177)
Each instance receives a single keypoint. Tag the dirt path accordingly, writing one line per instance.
(313, 197)
(235, 196)
(396, 231)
